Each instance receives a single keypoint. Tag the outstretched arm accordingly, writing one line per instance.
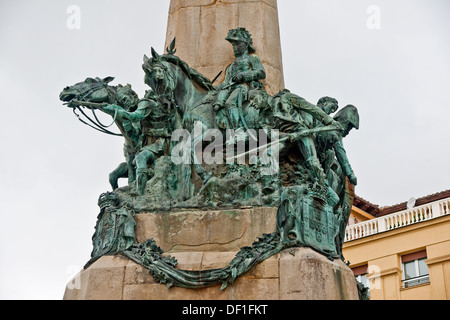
(317, 113)
(140, 114)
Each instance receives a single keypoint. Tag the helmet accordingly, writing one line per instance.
(349, 116)
(241, 34)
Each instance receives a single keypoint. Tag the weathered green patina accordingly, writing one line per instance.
(190, 144)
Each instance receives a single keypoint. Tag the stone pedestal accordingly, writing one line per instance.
(201, 26)
(204, 240)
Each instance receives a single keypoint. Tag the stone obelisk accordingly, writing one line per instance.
(200, 28)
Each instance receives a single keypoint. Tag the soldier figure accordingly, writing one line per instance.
(128, 99)
(293, 115)
(151, 119)
(330, 144)
(243, 74)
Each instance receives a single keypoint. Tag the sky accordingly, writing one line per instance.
(388, 58)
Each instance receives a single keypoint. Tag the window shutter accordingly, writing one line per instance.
(360, 270)
(414, 256)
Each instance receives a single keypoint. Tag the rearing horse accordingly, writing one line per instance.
(181, 87)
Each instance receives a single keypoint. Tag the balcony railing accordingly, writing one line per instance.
(397, 220)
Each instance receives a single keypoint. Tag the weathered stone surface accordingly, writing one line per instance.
(217, 260)
(256, 289)
(296, 274)
(136, 274)
(206, 231)
(200, 27)
(104, 280)
(308, 275)
(266, 270)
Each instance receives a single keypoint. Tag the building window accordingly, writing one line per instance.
(361, 275)
(415, 269)
(362, 278)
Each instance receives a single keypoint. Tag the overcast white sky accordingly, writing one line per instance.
(54, 168)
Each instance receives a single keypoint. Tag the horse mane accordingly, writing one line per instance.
(192, 74)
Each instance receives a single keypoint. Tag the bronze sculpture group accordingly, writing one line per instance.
(309, 182)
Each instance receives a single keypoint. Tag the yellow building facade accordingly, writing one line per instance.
(401, 252)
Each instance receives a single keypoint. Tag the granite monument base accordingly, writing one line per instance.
(204, 240)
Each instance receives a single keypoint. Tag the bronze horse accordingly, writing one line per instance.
(93, 93)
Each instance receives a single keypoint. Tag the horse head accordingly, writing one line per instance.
(158, 74)
(90, 90)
